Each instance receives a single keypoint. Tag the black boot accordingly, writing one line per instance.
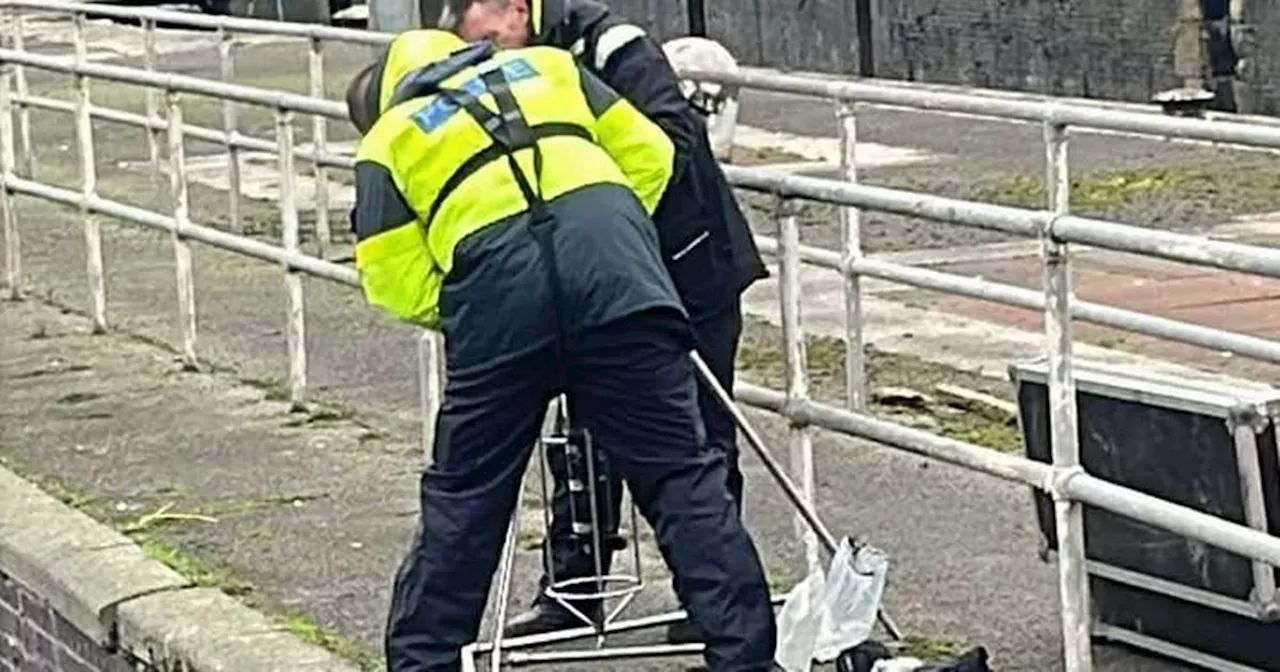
(548, 616)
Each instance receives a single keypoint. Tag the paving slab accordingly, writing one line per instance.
(966, 334)
(1223, 299)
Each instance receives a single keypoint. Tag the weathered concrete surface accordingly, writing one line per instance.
(206, 629)
(315, 515)
(115, 597)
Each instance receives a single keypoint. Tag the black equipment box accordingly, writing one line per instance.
(1204, 444)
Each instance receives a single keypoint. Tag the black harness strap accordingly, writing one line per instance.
(510, 133)
(494, 152)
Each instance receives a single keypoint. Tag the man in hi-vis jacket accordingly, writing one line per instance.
(704, 237)
(505, 198)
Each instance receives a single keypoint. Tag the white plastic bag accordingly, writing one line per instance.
(799, 621)
(851, 600)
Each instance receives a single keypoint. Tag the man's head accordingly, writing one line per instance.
(506, 22)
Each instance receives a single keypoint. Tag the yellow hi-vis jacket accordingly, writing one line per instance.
(428, 173)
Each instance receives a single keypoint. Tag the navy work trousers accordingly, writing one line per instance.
(635, 391)
(717, 338)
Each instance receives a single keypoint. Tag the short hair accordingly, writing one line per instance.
(451, 12)
(360, 95)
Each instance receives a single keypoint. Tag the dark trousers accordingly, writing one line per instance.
(717, 339)
(634, 389)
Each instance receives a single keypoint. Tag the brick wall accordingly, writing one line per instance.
(35, 638)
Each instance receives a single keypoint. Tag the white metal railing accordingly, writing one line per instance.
(1064, 479)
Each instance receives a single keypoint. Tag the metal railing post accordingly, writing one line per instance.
(855, 364)
(430, 385)
(151, 101)
(27, 152)
(89, 188)
(295, 333)
(227, 63)
(183, 265)
(1073, 577)
(799, 434)
(319, 144)
(8, 213)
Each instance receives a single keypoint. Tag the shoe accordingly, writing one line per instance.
(545, 617)
(683, 632)
(863, 657)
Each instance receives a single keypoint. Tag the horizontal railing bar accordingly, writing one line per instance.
(917, 441)
(1047, 111)
(212, 135)
(210, 236)
(181, 83)
(1022, 297)
(1180, 247)
(1077, 485)
(1008, 94)
(1168, 245)
(227, 23)
(1175, 518)
(1017, 221)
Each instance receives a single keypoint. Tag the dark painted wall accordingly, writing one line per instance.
(1097, 48)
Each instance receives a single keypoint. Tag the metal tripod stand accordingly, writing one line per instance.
(591, 492)
(618, 585)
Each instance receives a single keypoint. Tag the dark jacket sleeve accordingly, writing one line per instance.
(634, 65)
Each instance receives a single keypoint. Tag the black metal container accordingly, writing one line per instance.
(1202, 443)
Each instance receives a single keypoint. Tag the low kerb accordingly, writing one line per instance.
(75, 596)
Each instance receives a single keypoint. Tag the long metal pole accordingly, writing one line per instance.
(779, 474)
(799, 435)
(183, 266)
(504, 586)
(151, 101)
(218, 238)
(430, 387)
(295, 332)
(227, 63)
(1033, 299)
(855, 364)
(27, 152)
(8, 213)
(319, 145)
(89, 187)
(1073, 576)
(158, 125)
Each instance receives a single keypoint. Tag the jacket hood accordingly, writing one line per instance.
(560, 23)
(411, 50)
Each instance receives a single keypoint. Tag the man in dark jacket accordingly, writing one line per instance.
(706, 242)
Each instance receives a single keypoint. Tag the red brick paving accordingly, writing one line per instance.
(1233, 301)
